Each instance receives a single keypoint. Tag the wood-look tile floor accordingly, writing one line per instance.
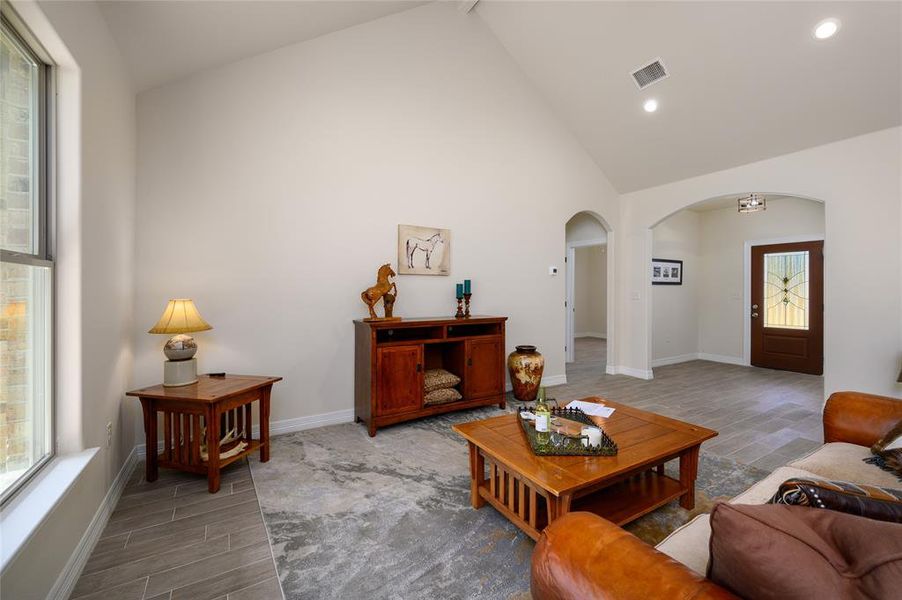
(765, 418)
(172, 540)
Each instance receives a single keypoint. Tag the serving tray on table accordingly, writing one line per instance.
(564, 436)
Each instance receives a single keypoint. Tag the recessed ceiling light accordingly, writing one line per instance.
(826, 29)
(650, 105)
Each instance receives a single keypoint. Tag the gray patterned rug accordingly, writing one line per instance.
(354, 517)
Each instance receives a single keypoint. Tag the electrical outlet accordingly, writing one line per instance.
(109, 435)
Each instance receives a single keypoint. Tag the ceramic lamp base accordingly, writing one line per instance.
(179, 372)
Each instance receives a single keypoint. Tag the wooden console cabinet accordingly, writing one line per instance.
(391, 356)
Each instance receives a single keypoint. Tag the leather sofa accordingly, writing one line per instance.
(582, 556)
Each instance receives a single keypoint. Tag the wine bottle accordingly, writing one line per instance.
(543, 418)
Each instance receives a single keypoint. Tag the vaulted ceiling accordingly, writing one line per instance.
(748, 79)
(164, 40)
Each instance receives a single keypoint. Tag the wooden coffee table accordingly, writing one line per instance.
(532, 491)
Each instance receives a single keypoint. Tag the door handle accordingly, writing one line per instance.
(754, 315)
(469, 362)
(419, 367)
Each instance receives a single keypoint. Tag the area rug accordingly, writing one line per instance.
(351, 516)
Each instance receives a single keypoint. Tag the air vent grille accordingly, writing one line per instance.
(650, 73)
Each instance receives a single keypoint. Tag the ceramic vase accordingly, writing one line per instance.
(525, 365)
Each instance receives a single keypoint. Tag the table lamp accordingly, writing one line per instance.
(180, 317)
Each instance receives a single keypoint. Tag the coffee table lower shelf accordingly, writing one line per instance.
(532, 509)
(632, 498)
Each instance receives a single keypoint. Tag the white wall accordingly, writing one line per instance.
(598, 297)
(590, 291)
(723, 236)
(583, 227)
(95, 229)
(270, 191)
(859, 181)
(676, 307)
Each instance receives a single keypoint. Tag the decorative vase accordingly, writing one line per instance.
(525, 365)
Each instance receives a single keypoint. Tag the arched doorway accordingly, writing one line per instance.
(713, 311)
(589, 294)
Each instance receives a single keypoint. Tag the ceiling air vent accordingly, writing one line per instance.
(650, 73)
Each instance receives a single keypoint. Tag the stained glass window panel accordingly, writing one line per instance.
(786, 290)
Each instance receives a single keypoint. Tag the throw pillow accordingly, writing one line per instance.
(439, 379)
(443, 396)
(887, 451)
(868, 501)
(773, 551)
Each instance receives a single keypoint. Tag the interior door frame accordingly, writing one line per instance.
(571, 292)
(747, 285)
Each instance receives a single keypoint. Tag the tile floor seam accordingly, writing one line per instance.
(272, 554)
(229, 595)
(154, 555)
(220, 574)
(183, 519)
(188, 564)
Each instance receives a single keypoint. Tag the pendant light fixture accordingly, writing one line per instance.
(752, 203)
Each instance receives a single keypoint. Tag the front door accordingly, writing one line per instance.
(788, 307)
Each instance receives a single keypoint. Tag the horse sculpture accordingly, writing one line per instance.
(383, 286)
(428, 246)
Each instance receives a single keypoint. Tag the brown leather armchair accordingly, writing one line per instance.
(583, 557)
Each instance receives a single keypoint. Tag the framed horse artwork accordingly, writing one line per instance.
(424, 250)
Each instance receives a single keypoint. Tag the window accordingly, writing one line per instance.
(26, 264)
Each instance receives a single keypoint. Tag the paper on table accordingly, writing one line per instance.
(590, 408)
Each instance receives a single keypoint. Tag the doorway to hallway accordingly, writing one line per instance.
(587, 303)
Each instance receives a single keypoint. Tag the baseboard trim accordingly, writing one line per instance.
(673, 360)
(591, 334)
(638, 373)
(730, 360)
(309, 422)
(681, 358)
(552, 380)
(65, 583)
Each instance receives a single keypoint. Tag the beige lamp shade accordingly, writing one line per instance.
(180, 316)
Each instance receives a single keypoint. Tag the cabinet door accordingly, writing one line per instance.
(399, 372)
(485, 367)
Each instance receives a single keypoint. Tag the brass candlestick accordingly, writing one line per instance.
(460, 310)
(467, 304)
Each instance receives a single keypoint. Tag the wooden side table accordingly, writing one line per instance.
(215, 405)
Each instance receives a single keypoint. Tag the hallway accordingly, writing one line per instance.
(765, 418)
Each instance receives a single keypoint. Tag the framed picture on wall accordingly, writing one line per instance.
(666, 272)
(424, 250)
